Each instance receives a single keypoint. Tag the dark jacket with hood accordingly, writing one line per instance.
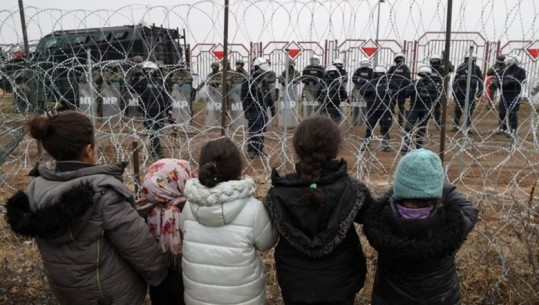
(95, 247)
(319, 255)
(416, 257)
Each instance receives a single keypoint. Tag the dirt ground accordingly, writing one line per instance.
(499, 264)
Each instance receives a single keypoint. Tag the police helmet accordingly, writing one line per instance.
(511, 60)
(379, 70)
(315, 60)
(435, 60)
(240, 62)
(261, 63)
(149, 65)
(214, 64)
(331, 68)
(337, 62)
(365, 63)
(501, 58)
(399, 57)
(424, 71)
(138, 59)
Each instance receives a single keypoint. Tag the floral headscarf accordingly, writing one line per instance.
(163, 198)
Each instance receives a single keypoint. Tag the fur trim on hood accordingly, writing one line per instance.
(53, 220)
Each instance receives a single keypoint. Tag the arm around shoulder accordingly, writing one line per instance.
(131, 237)
(467, 209)
(265, 233)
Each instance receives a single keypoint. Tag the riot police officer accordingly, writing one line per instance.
(255, 97)
(333, 94)
(399, 75)
(424, 95)
(493, 78)
(360, 78)
(459, 90)
(512, 78)
(313, 73)
(214, 77)
(378, 93)
(155, 104)
(343, 74)
(437, 72)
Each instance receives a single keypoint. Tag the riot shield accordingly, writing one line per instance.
(181, 111)
(310, 99)
(288, 106)
(237, 117)
(87, 101)
(132, 103)
(359, 109)
(213, 107)
(111, 103)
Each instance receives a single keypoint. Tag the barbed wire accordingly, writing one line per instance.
(497, 168)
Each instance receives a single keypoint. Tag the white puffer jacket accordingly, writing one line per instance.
(223, 228)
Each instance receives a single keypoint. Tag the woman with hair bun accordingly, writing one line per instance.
(95, 247)
(223, 226)
(319, 259)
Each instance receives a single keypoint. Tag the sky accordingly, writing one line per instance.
(264, 20)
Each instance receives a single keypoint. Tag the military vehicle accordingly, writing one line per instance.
(59, 60)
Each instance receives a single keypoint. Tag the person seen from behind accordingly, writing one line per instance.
(161, 204)
(223, 227)
(318, 259)
(95, 247)
(417, 227)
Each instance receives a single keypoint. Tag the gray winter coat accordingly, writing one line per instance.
(96, 249)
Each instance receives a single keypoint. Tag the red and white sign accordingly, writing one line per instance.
(369, 48)
(533, 50)
(218, 54)
(293, 49)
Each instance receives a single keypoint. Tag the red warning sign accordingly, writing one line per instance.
(369, 48)
(533, 50)
(293, 52)
(218, 54)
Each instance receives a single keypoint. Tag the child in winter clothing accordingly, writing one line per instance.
(162, 203)
(319, 259)
(417, 228)
(95, 248)
(223, 226)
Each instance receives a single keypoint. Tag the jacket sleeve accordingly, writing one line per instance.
(468, 211)
(265, 233)
(131, 237)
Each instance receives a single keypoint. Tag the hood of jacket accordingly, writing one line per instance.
(57, 205)
(316, 231)
(219, 205)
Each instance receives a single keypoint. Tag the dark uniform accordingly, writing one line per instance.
(155, 105)
(332, 94)
(378, 94)
(438, 76)
(361, 78)
(399, 74)
(511, 87)
(495, 73)
(459, 91)
(256, 97)
(424, 95)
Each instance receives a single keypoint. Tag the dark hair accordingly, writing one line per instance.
(63, 135)
(220, 160)
(316, 140)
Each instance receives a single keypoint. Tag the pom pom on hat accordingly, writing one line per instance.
(419, 175)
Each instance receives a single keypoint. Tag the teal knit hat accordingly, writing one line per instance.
(419, 175)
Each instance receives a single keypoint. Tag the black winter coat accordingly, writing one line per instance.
(332, 95)
(400, 75)
(313, 74)
(378, 93)
(424, 94)
(155, 101)
(361, 78)
(416, 258)
(512, 78)
(461, 79)
(255, 94)
(319, 255)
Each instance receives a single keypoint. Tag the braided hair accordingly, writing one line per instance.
(316, 141)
